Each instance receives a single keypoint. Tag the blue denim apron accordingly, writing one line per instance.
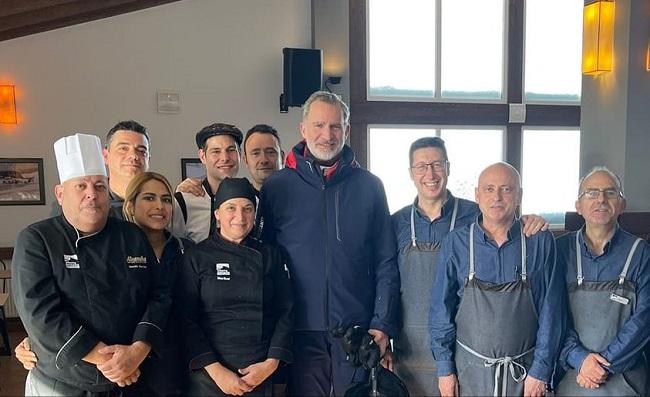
(599, 309)
(414, 362)
(496, 330)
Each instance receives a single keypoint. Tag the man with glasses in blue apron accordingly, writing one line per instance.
(498, 302)
(420, 228)
(608, 283)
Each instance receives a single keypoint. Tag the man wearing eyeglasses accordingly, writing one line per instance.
(498, 301)
(608, 282)
(420, 228)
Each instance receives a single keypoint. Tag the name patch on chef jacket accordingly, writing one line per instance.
(71, 261)
(136, 262)
(223, 271)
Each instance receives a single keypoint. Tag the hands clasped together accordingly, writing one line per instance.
(118, 363)
(251, 376)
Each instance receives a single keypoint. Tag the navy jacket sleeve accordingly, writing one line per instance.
(280, 346)
(40, 306)
(386, 315)
(630, 340)
(552, 309)
(188, 304)
(444, 304)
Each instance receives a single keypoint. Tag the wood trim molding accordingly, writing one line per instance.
(364, 112)
(21, 18)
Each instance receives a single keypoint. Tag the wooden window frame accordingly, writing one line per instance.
(364, 112)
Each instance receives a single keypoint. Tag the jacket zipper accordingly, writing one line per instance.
(336, 213)
(327, 271)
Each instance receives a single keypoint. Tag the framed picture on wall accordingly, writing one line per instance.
(22, 181)
(192, 168)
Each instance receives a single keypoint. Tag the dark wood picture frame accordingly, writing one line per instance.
(192, 168)
(22, 181)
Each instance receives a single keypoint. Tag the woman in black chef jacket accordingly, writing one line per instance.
(236, 299)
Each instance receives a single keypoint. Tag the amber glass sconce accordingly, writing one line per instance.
(598, 37)
(8, 104)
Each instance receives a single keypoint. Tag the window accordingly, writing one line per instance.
(402, 48)
(553, 50)
(469, 151)
(453, 67)
(472, 51)
(403, 42)
(551, 167)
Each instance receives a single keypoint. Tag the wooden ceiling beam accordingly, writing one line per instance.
(55, 14)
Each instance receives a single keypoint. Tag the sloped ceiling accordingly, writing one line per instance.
(24, 17)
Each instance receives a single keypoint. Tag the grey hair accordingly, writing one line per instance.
(602, 168)
(327, 97)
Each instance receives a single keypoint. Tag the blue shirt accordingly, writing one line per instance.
(432, 231)
(498, 265)
(624, 351)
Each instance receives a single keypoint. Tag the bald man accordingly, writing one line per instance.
(498, 301)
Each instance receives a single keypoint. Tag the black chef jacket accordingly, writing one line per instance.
(72, 292)
(237, 303)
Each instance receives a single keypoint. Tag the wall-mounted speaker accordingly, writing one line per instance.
(303, 75)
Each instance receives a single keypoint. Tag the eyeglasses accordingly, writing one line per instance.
(436, 166)
(593, 194)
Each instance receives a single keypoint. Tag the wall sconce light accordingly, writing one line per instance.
(333, 80)
(647, 60)
(8, 105)
(598, 37)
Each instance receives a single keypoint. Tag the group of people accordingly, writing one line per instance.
(216, 288)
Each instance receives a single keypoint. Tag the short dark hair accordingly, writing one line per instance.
(262, 129)
(128, 125)
(429, 141)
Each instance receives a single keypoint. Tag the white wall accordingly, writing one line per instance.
(331, 34)
(223, 56)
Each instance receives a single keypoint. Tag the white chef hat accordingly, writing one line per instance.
(79, 155)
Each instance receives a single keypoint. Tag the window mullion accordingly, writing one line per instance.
(438, 49)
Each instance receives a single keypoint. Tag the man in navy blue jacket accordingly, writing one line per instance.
(331, 218)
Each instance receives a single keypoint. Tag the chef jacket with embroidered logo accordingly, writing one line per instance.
(237, 303)
(72, 293)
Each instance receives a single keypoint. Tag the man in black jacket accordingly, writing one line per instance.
(86, 286)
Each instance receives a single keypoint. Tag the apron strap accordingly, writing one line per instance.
(508, 363)
(523, 253)
(453, 215)
(621, 277)
(471, 251)
(451, 226)
(579, 259)
(413, 239)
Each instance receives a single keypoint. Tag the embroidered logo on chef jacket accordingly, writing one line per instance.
(223, 271)
(71, 261)
(136, 262)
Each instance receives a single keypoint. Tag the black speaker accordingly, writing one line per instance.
(303, 75)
